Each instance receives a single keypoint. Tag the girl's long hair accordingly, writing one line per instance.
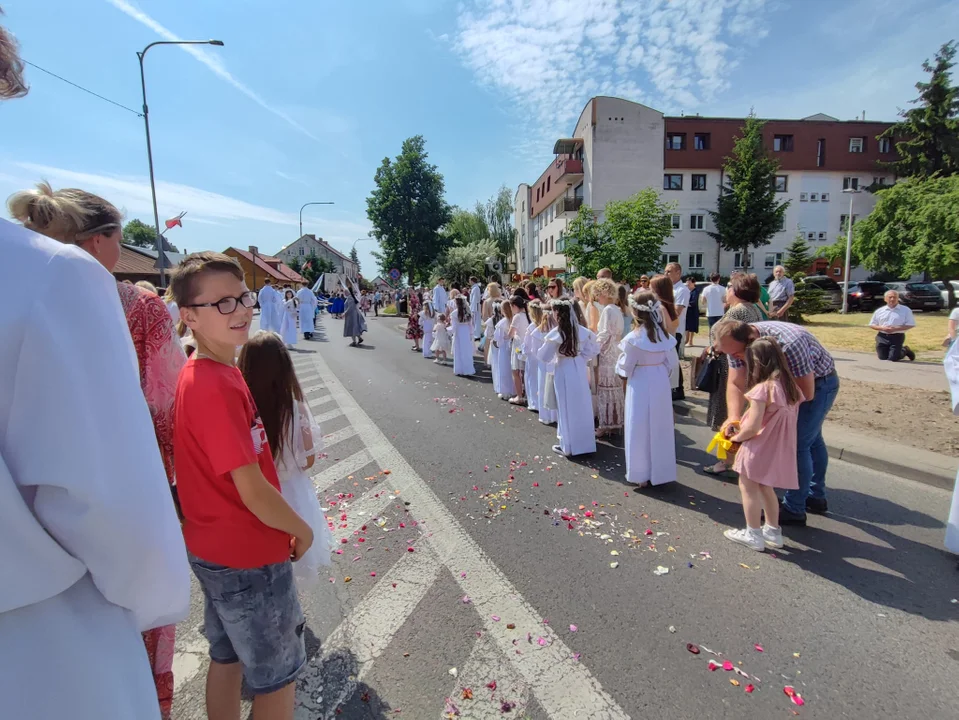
(622, 298)
(497, 313)
(532, 291)
(580, 315)
(268, 370)
(569, 338)
(506, 308)
(663, 290)
(462, 309)
(549, 321)
(521, 302)
(535, 312)
(765, 361)
(647, 320)
(428, 309)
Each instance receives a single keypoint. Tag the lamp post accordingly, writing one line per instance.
(845, 290)
(307, 205)
(146, 123)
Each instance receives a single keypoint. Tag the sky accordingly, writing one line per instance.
(307, 97)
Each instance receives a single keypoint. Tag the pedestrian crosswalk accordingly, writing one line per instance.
(398, 544)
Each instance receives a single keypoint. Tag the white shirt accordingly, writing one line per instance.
(440, 297)
(681, 300)
(475, 298)
(897, 316)
(715, 296)
(954, 315)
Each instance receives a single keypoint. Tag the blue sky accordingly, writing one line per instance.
(308, 96)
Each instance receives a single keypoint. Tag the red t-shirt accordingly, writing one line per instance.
(217, 429)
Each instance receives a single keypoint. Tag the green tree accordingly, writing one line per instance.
(462, 261)
(629, 241)
(407, 208)
(466, 226)
(138, 233)
(747, 212)
(928, 135)
(799, 256)
(498, 215)
(355, 257)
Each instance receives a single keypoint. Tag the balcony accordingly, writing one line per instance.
(568, 167)
(572, 205)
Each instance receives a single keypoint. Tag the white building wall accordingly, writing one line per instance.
(526, 254)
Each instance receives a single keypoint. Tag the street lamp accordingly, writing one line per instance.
(307, 205)
(851, 191)
(146, 123)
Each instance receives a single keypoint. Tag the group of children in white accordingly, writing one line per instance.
(543, 355)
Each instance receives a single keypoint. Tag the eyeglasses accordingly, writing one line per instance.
(228, 305)
(550, 287)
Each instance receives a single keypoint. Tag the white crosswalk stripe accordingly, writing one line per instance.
(321, 418)
(338, 436)
(329, 475)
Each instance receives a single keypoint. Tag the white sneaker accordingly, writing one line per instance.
(773, 537)
(750, 537)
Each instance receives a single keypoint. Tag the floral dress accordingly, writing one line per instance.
(609, 386)
(414, 330)
(160, 358)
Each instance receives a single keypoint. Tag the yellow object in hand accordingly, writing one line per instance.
(722, 445)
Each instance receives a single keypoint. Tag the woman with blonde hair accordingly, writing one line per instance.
(609, 387)
(148, 286)
(493, 295)
(135, 560)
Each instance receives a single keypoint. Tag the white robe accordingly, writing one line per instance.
(575, 431)
(427, 324)
(503, 359)
(308, 304)
(90, 546)
(531, 376)
(476, 300)
(546, 415)
(650, 435)
(489, 333)
(951, 365)
(462, 346)
(268, 298)
(440, 298)
(288, 322)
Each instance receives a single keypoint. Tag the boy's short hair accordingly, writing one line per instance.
(185, 279)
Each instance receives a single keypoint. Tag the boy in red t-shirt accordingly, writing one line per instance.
(240, 532)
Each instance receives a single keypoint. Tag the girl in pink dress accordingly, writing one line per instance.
(767, 457)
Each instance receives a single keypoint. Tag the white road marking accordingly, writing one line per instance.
(338, 436)
(563, 687)
(339, 470)
(487, 663)
(362, 510)
(317, 405)
(323, 417)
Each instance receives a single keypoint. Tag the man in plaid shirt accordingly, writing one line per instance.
(815, 373)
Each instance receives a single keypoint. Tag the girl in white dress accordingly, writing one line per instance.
(517, 336)
(288, 321)
(501, 347)
(496, 315)
(544, 371)
(951, 366)
(296, 442)
(531, 372)
(609, 387)
(426, 323)
(648, 357)
(441, 339)
(461, 325)
(570, 345)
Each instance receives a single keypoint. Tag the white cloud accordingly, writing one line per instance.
(211, 60)
(550, 56)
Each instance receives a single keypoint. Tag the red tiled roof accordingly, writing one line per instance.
(280, 272)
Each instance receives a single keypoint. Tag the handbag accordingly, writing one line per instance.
(549, 391)
(707, 379)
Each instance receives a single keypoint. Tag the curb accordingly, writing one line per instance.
(927, 467)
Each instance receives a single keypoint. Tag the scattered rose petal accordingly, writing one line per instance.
(467, 600)
(372, 574)
(672, 628)
(614, 565)
(542, 641)
(727, 665)
(694, 649)
(559, 484)
(511, 626)
(734, 682)
(507, 706)
(491, 685)
(793, 695)
(409, 549)
(347, 578)
(535, 484)
(467, 694)
(495, 618)
(713, 665)
(759, 648)
(573, 628)
(661, 570)
(453, 671)
(614, 552)
(576, 656)
(649, 531)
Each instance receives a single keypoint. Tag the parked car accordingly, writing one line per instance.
(942, 290)
(833, 293)
(866, 295)
(918, 296)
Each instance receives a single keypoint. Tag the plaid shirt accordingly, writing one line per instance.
(803, 352)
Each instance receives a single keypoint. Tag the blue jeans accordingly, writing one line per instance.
(812, 458)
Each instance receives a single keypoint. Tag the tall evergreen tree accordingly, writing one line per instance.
(747, 212)
(928, 135)
(355, 257)
(798, 256)
(407, 208)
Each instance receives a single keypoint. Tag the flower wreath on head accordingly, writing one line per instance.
(561, 301)
(653, 307)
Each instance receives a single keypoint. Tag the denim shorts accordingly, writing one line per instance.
(253, 616)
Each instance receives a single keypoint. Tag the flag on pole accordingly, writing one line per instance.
(175, 222)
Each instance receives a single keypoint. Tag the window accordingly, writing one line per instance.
(549, 183)
(695, 261)
(822, 237)
(885, 145)
(524, 206)
(561, 243)
(811, 236)
(675, 141)
(782, 182)
(782, 143)
(552, 245)
(549, 217)
(878, 180)
(803, 197)
(672, 182)
(698, 182)
(824, 197)
(821, 152)
(695, 222)
(302, 250)
(837, 271)
(540, 247)
(667, 258)
(782, 224)
(856, 144)
(843, 219)
(537, 194)
(677, 222)
(701, 141)
(850, 183)
(813, 197)
(738, 259)
(773, 259)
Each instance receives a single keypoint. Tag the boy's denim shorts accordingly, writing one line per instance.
(253, 616)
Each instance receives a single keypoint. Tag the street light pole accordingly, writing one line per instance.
(146, 123)
(845, 291)
(307, 205)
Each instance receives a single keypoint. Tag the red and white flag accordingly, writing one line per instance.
(175, 222)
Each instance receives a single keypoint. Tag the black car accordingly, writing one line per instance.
(866, 295)
(917, 295)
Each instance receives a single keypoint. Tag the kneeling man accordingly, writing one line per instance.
(891, 323)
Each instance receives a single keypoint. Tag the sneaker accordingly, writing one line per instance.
(750, 537)
(907, 351)
(788, 517)
(558, 450)
(816, 506)
(773, 537)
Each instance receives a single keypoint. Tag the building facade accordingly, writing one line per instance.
(256, 268)
(308, 244)
(620, 148)
(527, 258)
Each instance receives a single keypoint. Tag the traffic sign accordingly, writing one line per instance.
(395, 274)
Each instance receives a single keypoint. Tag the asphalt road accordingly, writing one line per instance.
(458, 509)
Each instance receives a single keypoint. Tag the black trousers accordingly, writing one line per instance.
(889, 346)
(680, 392)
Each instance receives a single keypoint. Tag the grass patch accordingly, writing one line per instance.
(851, 332)
(388, 310)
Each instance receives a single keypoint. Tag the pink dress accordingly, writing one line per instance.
(769, 458)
